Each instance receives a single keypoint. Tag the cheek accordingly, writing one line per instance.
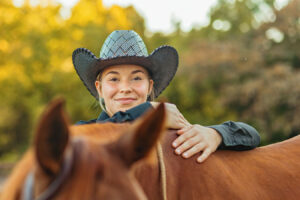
(142, 88)
(108, 89)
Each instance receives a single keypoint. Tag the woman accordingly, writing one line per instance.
(125, 80)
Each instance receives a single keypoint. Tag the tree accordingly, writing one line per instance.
(38, 44)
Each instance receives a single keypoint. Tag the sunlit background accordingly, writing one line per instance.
(160, 15)
(239, 60)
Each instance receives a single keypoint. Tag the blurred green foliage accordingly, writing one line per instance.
(243, 66)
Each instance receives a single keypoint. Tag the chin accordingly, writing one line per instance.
(128, 106)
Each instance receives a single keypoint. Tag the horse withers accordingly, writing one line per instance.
(118, 161)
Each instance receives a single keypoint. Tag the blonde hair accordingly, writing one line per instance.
(102, 104)
(151, 96)
(101, 100)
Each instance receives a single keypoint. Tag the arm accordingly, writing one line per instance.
(229, 135)
(195, 138)
(192, 139)
(237, 136)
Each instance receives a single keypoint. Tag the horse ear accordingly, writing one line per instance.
(139, 142)
(51, 137)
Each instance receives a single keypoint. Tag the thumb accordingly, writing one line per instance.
(183, 130)
(175, 125)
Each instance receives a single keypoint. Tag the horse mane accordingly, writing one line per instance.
(100, 132)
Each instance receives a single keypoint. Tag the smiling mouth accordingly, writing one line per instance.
(125, 100)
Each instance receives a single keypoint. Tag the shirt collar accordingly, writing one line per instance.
(133, 113)
(103, 116)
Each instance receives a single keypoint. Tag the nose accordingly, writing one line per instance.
(125, 87)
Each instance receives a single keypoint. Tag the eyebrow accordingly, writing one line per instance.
(112, 72)
(137, 71)
(134, 72)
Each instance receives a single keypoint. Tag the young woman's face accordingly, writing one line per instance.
(123, 87)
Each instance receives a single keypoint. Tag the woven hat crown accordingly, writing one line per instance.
(123, 43)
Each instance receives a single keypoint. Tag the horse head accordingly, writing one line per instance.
(69, 163)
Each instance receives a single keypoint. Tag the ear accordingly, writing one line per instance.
(139, 142)
(151, 82)
(51, 137)
(98, 88)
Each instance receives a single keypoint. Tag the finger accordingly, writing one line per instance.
(175, 125)
(180, 125)
(186, 145)
(184, 129)
(204, 155)
(182, 138)
(195, 149)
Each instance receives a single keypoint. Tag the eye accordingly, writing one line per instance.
(137, 78)
(113, 79)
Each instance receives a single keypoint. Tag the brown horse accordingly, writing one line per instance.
(118, 161)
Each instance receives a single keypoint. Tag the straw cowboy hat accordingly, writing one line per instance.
(126, 47)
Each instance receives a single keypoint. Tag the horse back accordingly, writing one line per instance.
(269, 172)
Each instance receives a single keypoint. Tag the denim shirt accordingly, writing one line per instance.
(235, 135)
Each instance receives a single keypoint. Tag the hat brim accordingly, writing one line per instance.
(162, 65)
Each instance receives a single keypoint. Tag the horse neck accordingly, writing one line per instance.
(13, 186)
(157, 172)
(148, 172)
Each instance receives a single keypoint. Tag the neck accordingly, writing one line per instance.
(152, 175)
(148, 175)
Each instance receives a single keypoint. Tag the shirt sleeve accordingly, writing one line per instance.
(85, 122)
(237, 136)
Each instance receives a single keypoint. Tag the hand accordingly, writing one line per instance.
(194, 139)
(175, 120)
